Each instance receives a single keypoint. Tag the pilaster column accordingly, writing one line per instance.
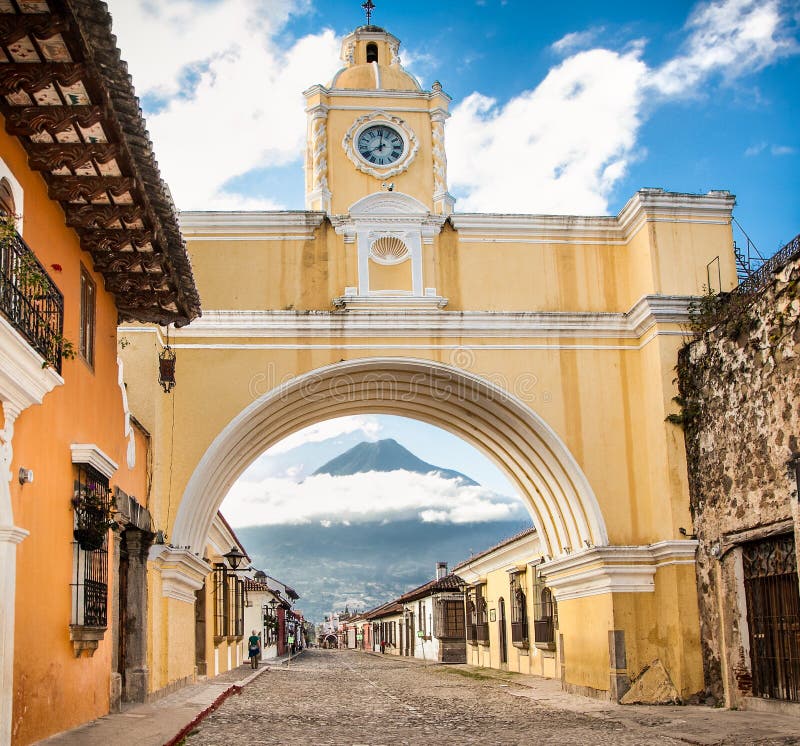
(10, 536)
(137, 544)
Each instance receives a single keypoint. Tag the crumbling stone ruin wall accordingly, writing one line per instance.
(740, 397)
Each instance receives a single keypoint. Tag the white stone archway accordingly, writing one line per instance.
(559, 497)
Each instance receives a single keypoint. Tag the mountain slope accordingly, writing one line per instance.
(366, 564)
(385, 455)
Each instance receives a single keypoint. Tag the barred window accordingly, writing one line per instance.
(450, 618)
(481, 614)
(545, 616)
(221, 601)
(91, 501)
(519, 610)
(87, 316)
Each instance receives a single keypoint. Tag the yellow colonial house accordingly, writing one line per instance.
(548, 342)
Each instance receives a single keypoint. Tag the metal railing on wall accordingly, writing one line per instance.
(30, 300)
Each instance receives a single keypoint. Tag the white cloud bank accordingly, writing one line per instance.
(568, 141)
(366, 497)
(230, 82)
(232, 88)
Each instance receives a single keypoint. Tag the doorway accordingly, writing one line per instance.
(773, 615)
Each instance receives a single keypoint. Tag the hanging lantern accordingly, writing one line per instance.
(166, 368)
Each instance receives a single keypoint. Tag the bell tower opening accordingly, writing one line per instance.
(372, 52)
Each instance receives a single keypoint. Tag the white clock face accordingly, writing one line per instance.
(380, 145)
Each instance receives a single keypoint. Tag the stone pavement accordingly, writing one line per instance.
(357, 699)
(157, 723)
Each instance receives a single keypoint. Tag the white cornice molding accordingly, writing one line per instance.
(250, 226)
(510, 555)
(89, 453)
(12, 534)
(408, 322)
(321, 90)
(647, 205)
(614, 569)
(23, 380)
(182, 573)
(371, 303)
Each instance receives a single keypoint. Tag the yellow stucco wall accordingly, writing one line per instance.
(578, 318)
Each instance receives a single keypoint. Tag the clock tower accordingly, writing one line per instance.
(376, 165)
(373, 128)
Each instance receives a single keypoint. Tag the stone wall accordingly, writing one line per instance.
(740, 399)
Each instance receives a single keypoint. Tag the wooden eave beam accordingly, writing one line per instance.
(75, 189)
(34, 76)
(28, 121)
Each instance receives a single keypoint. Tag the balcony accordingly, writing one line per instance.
(30, 300)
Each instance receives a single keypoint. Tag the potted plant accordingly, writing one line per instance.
(94, 515)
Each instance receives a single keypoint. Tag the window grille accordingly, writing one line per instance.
(544, 613)
(238, 626)
(90, 578)
(221, 601)
(449, 620)
(773, 616)
(481, 615)
(471, 617)
(88, 312)
(519, 610)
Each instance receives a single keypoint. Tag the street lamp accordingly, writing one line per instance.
(234, 558)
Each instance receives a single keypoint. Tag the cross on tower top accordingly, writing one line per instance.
(368, 7)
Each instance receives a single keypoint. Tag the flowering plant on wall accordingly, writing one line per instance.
(94, 512)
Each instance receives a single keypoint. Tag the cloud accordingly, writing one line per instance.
(368, 426)
(775, 150)
(224, 88)
(563, 146)
(576, 40)
(733, 37)
(366, 497)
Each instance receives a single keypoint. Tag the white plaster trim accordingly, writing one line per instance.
(12, 534)
(379, 300)
(411, 144)
(561, 501)
(334, 93)
(507, 557)
(645, 314)
(647, 205)
(293, 224)
(127, 429)
(23, 380)
(182, 572)
(89, 453)
(614, 569)
(19, 196)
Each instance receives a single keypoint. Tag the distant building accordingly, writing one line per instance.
(510, 613)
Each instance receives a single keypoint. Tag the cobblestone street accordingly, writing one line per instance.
(344, 697)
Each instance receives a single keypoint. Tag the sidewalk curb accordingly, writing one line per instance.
(197, 719)
(292, 657)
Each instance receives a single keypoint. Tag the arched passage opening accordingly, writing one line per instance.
(560, 499)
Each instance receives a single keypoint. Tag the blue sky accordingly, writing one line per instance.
(597, 100)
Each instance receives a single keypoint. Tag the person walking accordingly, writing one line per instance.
(254, 649)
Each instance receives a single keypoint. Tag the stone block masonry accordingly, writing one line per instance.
(740, 395)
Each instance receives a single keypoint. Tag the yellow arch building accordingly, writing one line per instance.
(548, 342)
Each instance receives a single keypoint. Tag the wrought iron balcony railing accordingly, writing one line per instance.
(482, 632)
(30, 300)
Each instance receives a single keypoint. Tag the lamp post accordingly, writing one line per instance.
(234, 558)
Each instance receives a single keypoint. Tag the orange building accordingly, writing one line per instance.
(95, 240)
